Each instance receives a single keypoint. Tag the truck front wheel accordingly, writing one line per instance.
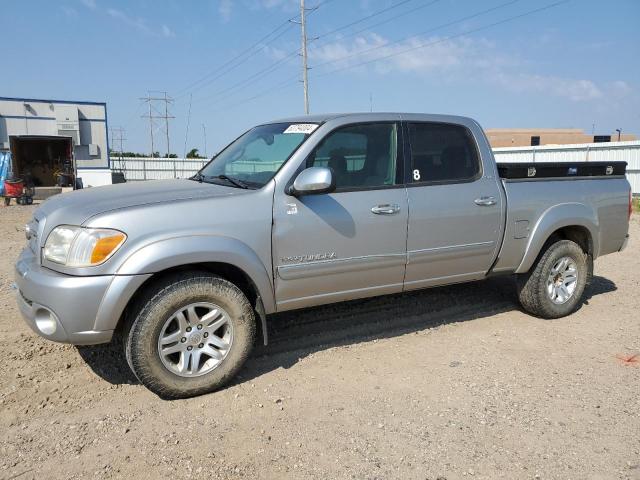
(554, 286)
(190, 335)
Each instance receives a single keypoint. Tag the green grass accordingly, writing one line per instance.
(636, 204)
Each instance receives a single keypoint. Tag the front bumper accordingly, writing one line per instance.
(625, 243)
(60, 307)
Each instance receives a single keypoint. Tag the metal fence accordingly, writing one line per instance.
(145, 168)
(140, 168)
(591, 152)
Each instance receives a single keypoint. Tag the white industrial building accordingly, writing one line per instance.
(46, 136)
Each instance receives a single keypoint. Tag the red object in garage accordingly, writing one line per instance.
(13, 188)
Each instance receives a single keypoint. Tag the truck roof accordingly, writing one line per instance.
(373, 116)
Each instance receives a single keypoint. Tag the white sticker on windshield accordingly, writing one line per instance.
(306, 128)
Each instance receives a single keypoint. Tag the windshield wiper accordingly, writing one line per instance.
(238, 183)
(198, 177)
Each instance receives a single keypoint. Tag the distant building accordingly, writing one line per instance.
(527, 137)
(46, 136)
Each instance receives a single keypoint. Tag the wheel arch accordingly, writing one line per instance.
(222, 256)
(575, 222)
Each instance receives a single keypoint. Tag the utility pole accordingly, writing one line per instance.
(204, 134)
(166, 120)
(619, 130)
(305, 68)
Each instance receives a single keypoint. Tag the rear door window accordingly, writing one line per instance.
(442, 152)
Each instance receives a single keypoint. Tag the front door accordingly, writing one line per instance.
(350, 243)
(455, 207)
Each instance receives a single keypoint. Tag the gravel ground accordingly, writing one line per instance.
(449, 383)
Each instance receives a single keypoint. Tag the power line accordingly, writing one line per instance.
(183, 91)
(383, 22)
(279, 86)
(439, 27)
(271, 68)
(247, 54)
(288, 81)
(238, 61)
(428, 44)
(363, 19)
(259, 75)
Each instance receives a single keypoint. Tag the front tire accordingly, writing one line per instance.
(554, 286)
(190, 336)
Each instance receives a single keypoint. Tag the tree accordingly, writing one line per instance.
(193, 153)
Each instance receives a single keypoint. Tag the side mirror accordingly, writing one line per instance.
(313, 180)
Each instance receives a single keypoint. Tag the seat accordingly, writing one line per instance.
(338, 163)
(380, 172)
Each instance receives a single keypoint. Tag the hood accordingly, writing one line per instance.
(75, 208)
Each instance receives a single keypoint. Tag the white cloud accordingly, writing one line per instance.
(89, 4)
(458, 60)
(620, 88)
(289, 5)
(140, 24)
(137, 23)
(577, 90)
(226, 7)
(167, 32)
(69, 12)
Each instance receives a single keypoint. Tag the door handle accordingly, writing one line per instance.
(386, 209)
(485, 201)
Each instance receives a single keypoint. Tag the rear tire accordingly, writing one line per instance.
(195, 314)
(554, 286)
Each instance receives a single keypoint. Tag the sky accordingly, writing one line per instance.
(232, 64)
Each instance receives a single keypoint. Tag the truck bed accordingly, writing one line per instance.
(543, 197)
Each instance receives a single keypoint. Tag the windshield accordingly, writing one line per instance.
(254, 158)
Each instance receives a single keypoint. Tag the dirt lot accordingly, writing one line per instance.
(449, 383)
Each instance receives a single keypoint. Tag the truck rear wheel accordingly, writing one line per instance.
(554, 286)
(191, 335)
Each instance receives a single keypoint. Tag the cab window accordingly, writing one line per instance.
(442, 153)
(361, 156)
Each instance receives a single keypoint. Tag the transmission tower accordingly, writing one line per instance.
(158, 116)
(118, 138)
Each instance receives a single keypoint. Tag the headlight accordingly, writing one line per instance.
(81, 247)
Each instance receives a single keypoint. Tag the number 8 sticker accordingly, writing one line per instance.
(416, 174)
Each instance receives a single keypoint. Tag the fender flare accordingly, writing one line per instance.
(555, 218)
(185, 250)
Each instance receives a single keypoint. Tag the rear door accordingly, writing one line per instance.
(350, 243)
(455, 206)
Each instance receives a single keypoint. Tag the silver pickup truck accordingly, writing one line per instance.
(302, 212)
